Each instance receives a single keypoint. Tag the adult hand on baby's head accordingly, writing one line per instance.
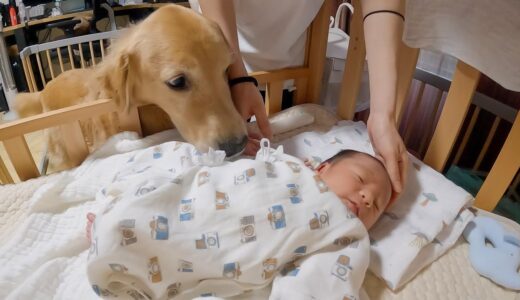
(249, 102)
(389, 149)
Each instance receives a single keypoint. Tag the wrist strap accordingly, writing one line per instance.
(242, 79)
(384, 11)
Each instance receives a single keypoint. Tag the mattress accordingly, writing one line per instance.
(450, 277)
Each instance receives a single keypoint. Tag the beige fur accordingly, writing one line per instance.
(173, 41)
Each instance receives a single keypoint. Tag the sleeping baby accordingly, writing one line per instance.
(174, 228)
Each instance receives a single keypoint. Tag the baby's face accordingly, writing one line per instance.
(361, 183)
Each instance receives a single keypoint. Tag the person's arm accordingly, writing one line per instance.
(383, 32)
(246, 96)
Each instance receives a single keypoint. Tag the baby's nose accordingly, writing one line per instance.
(366, 198)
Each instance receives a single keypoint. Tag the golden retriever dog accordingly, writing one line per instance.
(175, 59)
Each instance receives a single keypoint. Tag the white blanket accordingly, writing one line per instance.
(45, 257)
(223, 228)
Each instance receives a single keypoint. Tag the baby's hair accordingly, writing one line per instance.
(347, 153)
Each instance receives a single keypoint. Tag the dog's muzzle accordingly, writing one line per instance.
(234, 146)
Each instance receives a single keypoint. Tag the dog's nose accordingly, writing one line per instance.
(233, 146)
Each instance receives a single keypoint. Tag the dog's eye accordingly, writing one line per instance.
(178, 83)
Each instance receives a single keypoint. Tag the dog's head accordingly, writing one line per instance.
(178, 59)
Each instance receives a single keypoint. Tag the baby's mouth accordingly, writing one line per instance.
(353, 207)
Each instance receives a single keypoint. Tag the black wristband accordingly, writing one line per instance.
(383, 11)
(242, 79)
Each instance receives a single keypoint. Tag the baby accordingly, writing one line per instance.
(225, 230)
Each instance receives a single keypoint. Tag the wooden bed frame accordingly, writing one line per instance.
(308, 84)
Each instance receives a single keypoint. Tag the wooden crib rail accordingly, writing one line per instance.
(12, 134)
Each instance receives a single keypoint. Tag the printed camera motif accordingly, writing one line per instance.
(342, 267)
(269, 170)
(207, 241)
(295, 167)
(186, 211)
(247, 229)
(276, 217)
(159, 226)
(173, 290)
(202, 178)
(118, 268)
(184, 266)
(245, 176)
(157, 152)
(127, 228)
(231, 270)
(154, 270)
(294, 193)
(269, 268)
(322, 187)
(221, 200)
(320, 220)
(144, 189)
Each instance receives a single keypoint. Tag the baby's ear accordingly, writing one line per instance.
(322, 167)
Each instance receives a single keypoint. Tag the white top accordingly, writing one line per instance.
(272, 33)
(484, 34)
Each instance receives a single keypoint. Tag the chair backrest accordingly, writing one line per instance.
(43, 62)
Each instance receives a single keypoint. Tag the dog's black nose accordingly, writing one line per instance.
(234, 146)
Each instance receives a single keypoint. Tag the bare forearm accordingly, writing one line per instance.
(223, 13)
(383, 32)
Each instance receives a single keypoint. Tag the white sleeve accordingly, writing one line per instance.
(331, 273)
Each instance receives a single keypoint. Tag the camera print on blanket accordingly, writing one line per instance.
(170, 227)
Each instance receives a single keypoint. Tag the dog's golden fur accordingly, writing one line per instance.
(149, 64)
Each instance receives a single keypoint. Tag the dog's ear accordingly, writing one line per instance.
(118, 74)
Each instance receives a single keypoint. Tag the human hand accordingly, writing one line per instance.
(253, 143)
(249, 102)
(389, 149)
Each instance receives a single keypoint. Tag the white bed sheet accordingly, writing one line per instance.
(62, 266)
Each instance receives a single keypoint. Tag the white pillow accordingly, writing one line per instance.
(424, 222)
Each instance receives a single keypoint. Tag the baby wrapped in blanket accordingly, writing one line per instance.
(175, 228)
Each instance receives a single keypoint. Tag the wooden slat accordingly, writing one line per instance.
(484, 149)
(414, 112)
(429, 125)
(42, 75)
(49, 62)
(284, 74)
(407, 63)
(75, 142)
(319, 31)
(130, 121)
(466, 136)
(31, 73)
(503, 171)
(21, 158)
(27, 68)
(102, 45)
(56, 118)
(5, 177)
(300, 94)
(456, 105)
(71, 58)
(92, 53)
(60, 59)
(354, 66)
(80, 47)
(273, 97)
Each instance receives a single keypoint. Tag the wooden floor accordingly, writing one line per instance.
(36, 143)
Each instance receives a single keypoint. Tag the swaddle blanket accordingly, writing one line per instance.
(178, 223)
(423, 224)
